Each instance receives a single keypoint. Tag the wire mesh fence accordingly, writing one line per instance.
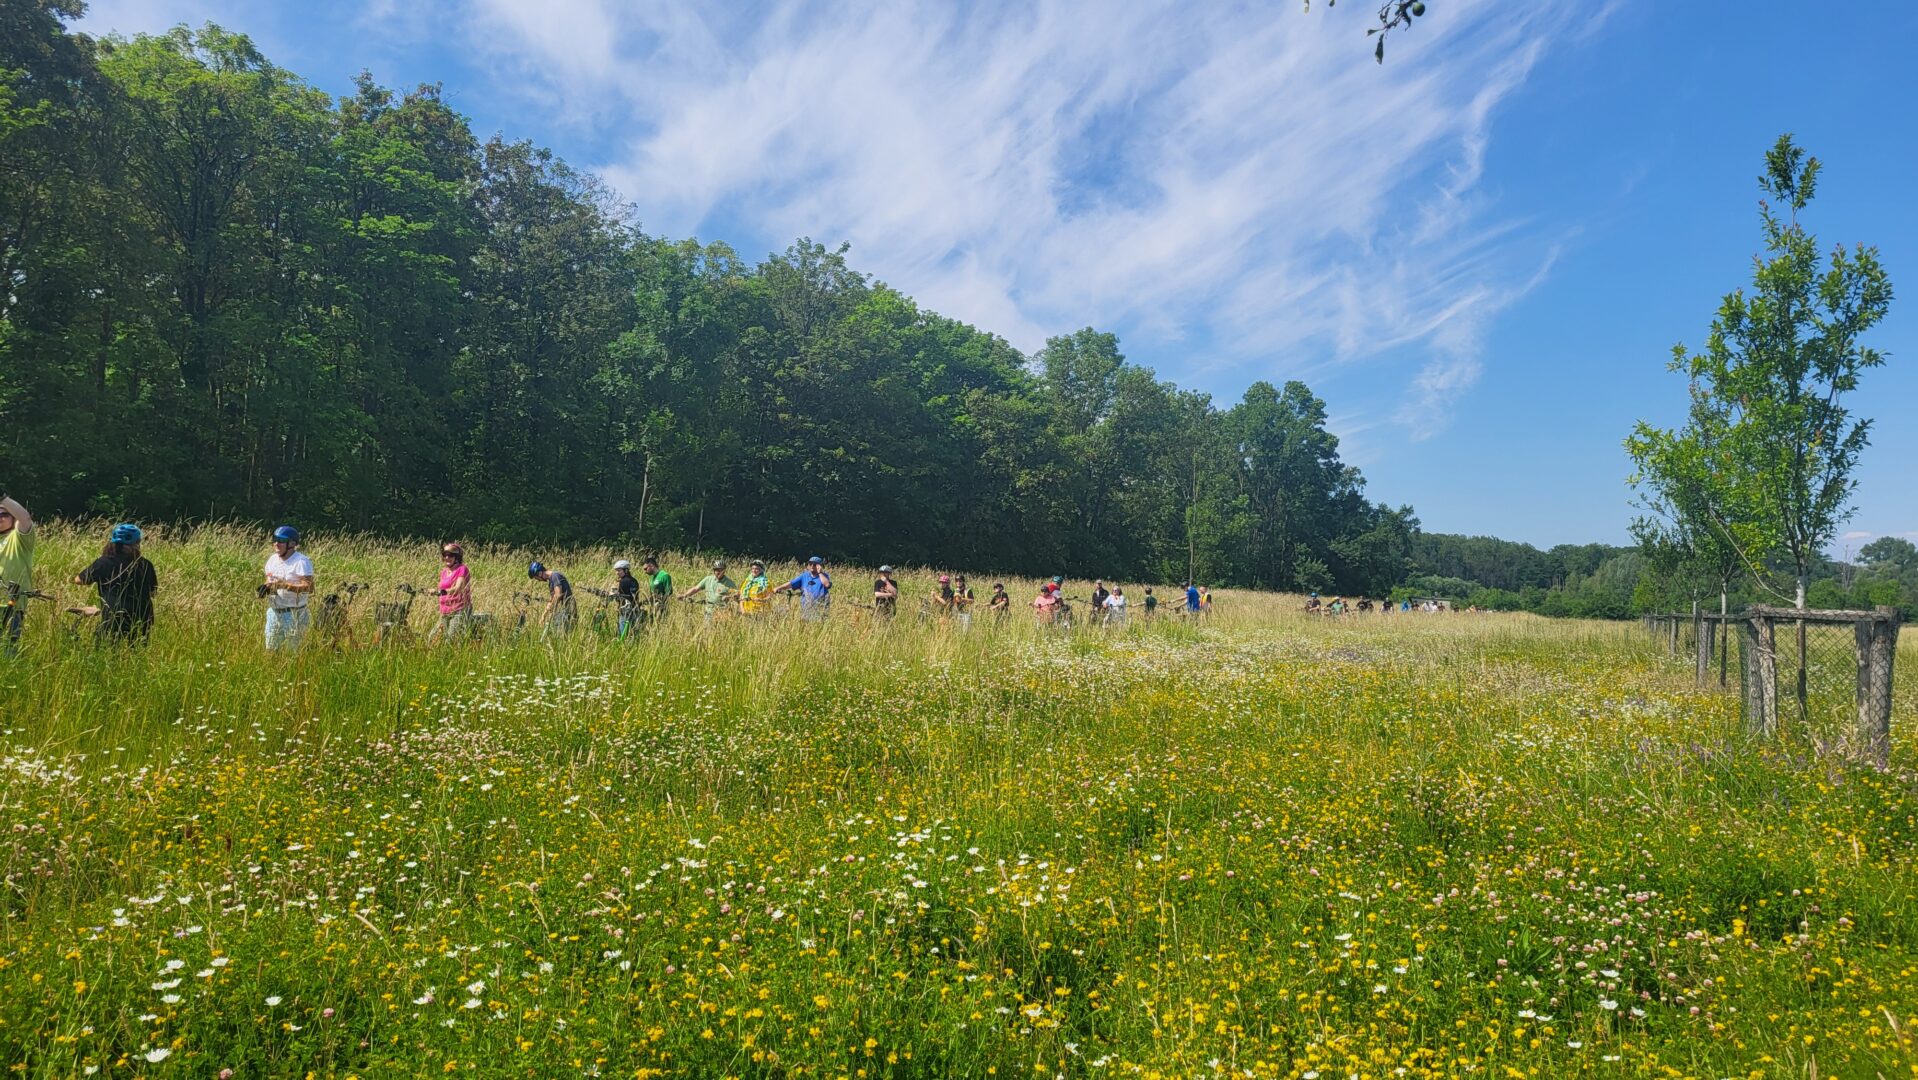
(1820, 678)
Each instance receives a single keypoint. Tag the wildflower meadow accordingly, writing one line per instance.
(1262, 844)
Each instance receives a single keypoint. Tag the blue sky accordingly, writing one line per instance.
(1479, 254)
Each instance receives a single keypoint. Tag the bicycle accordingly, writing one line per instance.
(392, 620)
(333, 622)
(15, 613)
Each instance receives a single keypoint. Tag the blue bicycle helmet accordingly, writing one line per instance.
(126, 533)
(286, 534)
(533, 568)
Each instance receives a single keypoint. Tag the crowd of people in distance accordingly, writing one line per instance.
(125, 582)
(1338, 605)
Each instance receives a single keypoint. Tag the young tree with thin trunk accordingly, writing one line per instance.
(1766, 459)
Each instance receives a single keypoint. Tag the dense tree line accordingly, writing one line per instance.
(227, 294)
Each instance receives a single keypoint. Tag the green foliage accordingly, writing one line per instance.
(236, 298)
(1763, 466)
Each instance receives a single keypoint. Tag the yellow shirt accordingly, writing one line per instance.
(16, 557)
(756, 597)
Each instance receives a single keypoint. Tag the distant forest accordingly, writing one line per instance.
(230, 295)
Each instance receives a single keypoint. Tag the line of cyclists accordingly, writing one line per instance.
(125, 582)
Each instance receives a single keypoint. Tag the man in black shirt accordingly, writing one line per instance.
(885, 594)
(626, 588)
(126, 582)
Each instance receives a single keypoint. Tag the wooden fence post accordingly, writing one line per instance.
(1761, 676)
(1877, 646)
(1671, 633)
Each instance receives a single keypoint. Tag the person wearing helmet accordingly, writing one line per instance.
(714, 589)
(288, 586)
(814, 587)
(17, 536)
(885, 594)
(626, 595)
(125, 582)
(560, 608)
(941, 598)
(455, 594)
(756, 593)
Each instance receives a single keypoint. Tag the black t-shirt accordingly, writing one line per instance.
(628, 589)
(1099, 598)
(125, 585)
(882, 602)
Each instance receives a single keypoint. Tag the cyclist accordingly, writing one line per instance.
(660, 584)
(17, 536)
(561, 609)
(715, 589)
(962, 602)
(1000, 602)
(942, 597)
(126, 583)
(814, 587)
(755, 593)
(626, 593)
(288, 585)
(455, 595)
(885, 594)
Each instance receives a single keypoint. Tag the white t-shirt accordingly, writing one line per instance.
(1115, 604)
(296, 565)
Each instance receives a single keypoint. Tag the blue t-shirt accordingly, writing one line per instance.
(557, 580)
(813, 588)
(1192, 599)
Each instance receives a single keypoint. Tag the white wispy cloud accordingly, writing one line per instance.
(1236, 185)
(1242, 179)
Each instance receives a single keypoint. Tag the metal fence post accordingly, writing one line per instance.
(1703, 634)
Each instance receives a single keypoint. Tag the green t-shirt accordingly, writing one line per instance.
(662, 584)
(16, 557)
(716, 588)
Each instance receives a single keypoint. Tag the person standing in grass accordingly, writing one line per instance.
(1114, 606)
(1205, 600)
(714, 589)
(560, 608)
(1099, 595)
(16, 565)
(659, 588)
(814, 587)
(1191, 599)
(756, 593)
(626, 596)
(1000, 602)
(941, 597)
(455, 594)
(962, 602)
(885, 594)
(1150, 604)
(125, 582)
(288, 586)
(1045, 606)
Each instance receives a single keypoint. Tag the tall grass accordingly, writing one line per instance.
(1266, 843)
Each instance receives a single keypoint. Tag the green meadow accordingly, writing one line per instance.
(1264, 844)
